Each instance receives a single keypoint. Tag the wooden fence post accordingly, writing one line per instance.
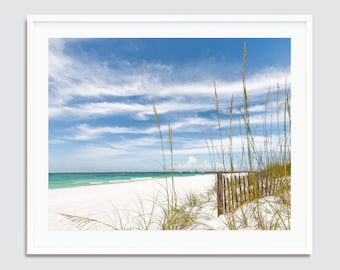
(244, 188)
(228, 190)
(219, 194)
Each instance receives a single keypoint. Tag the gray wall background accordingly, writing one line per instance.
(13, 127)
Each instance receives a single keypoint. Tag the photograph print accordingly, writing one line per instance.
(169, 134)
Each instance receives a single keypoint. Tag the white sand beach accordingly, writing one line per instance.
(140, 205)
(121, 204)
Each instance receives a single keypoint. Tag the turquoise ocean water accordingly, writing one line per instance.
(67, 180)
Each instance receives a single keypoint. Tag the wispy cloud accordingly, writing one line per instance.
(83, 132)
(198, 125)
(101, 107)
(132, 110)
(72, 78)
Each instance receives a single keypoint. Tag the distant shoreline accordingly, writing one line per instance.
(72, 180)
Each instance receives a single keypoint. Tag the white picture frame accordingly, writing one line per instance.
(40, 240)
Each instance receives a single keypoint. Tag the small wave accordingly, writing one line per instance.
(117, 181)
(141, 178)
(96, 183)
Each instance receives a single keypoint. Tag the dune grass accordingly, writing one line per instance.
(270, 161)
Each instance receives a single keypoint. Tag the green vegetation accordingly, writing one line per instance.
(269, 165)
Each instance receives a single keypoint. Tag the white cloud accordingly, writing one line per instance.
(198, 125)
(64, 92)
(133, 110)
(98, 109)
(192, 164)
(188, 165)
(78, 88)
(71, 78)
(84, 132)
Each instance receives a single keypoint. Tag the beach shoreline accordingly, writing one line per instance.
(117, 204)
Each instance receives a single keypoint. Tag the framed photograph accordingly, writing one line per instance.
(169, 134)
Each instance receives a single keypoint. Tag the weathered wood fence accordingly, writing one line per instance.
(234, 189)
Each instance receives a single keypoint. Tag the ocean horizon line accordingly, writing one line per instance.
(66, 180)
(94, 172)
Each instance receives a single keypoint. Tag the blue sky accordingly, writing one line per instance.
(100, 98)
